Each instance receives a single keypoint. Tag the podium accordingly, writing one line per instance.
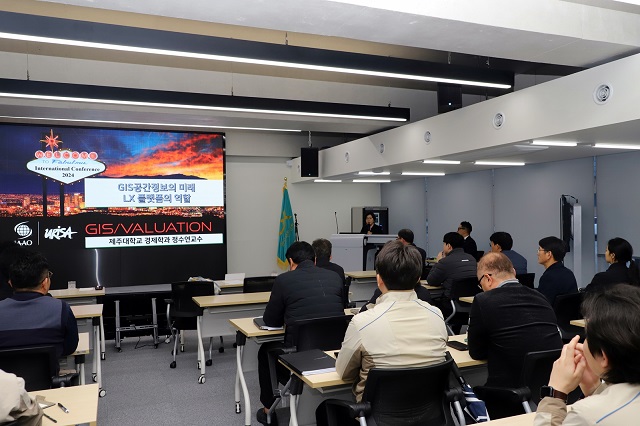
(348, 250)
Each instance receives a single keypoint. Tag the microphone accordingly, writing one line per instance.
(336, 215)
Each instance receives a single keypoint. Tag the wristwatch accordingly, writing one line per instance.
(549, 391)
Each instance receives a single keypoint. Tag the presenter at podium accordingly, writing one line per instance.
(370, 226)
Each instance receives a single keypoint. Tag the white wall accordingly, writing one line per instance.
(407, 207)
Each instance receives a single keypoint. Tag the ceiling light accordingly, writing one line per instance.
(498, 163)
(327, 181)
(553, 143)
(146, 123)
(375, 173)
(372, 180)
(81, 93)
(615, 146)
(93, 35)
(422, 174)
(441, 162)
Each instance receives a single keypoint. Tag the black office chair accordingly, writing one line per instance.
(258, 284)
(506, 402)
(408, 396)
(182, 312)
(37, 365)
(567, 308)
(325, 333)
(527, 279)
(461, 288)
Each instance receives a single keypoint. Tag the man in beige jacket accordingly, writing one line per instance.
(605, 366)
(15, 402)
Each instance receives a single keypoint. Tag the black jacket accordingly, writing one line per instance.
(455, 266)
(326, 264)
(470, 246)
(557, 280)
(616, 273)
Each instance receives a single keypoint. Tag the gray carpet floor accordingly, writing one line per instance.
(143, 390)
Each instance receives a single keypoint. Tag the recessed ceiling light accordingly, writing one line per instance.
(422, 173)
(375, 173)
(615, 146)
(441, 162)
(498, 163)
(327, 180)
(553, 143)
(372, 180)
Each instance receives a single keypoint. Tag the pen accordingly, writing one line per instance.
(49, 417)
(63, 408)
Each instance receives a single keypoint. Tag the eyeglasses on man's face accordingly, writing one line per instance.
(481, 278)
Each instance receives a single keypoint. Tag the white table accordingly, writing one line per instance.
(81, 401)
(95, 313)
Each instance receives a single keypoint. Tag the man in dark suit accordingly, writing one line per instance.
(406, 236)
(557, 279)
(304, 292)
(322, 247)
(507, 321)
(470, 245)
(501, 242)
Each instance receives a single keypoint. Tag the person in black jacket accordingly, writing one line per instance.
(617, 254)
(557, 279)
(322, 247)
(370, 226)
(470, 246)
(304, 292)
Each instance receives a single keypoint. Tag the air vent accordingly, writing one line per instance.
(602, 94)
(427, 137)
(498, 120)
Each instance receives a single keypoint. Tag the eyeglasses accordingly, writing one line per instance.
(49, 275)
(541, 250)
(460, 227)
(481, 278)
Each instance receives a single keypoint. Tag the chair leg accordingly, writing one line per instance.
(175, 349)
(526, 406)
(459, 413)
(209, 361)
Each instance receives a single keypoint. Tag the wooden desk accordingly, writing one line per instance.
(82, 349)
(360, 275)
(245, 328)
(577, 323)
(95, 313)
(466, 299)
(78, 295)
(81, 401)
(218, 310)
(229, 287)
(521, 420)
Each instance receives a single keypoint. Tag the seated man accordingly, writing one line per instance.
(501, 242)
(453, 264)
(605, 366)
(30, 317)
(304, 292)
(469, 246)
(557, 279)
(16, 406)
(400, 330)
(507, 321)
(322, 247)
(406, 236)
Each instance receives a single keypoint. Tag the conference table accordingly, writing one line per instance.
(95, 313)
(81, 401)
(362, 285)
(218, 310)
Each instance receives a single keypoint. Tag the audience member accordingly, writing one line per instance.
(501, 242)
(617, 254)
(322, 248)
(304, 292)
(605, 366)
(399, 331)
(370, 226)
(470, 245)
(507, 321)
(406, 236)
(9, 253)
(16, 406)
(29, 317)
(557, 279)
(453, 264)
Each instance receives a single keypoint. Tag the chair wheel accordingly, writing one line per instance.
(167, 340)
(181, 348)
(103, 356)
(155, 346)
(102, 393)
(119, 349)
(208, 363)
(94, 377)
(221, 349)
(172, 365)
(201, 379)
(238, 408)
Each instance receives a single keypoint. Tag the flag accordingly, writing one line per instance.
(286, 236)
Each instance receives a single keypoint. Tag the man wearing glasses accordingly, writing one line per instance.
(507, 321)
(30, 317)
(557, 279)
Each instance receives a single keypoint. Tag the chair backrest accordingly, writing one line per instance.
(465, 287)
(182, 293)
(258, 284)
(537, 369)
(527, 279)
(326, 333)
(36, 365)
(567, 308)
(409, 396)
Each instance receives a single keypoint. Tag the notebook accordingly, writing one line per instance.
(259, 322)
(307, 363)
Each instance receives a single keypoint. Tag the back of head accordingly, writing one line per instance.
(496, 264)
(554, 245)
(466, 225)
(322, 248)
(399, 265)
(406, 234)
(503, 239)
(9, 253)
(28, 271)
(300, 251)
(454, 239)
(621, 249)
(613, 327)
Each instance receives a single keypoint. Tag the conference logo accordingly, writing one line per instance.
(24, 231)
(59, 233)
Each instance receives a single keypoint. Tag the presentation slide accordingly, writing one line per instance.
(115, 206)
